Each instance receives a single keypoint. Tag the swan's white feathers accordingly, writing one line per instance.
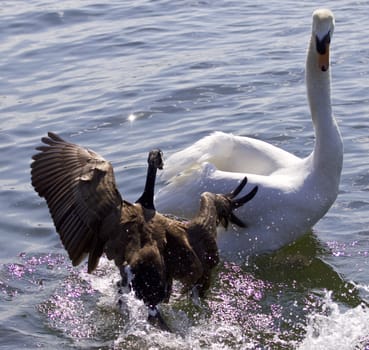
(323, 23)
(228, 152)
(294, 193)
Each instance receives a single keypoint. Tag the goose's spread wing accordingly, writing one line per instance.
(80, 191)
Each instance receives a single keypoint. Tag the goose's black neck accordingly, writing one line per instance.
(147, 197)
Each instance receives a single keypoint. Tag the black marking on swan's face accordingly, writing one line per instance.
(156, 159)
(322, 44)
(323, 27)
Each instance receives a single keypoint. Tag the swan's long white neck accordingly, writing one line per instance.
(327, 153)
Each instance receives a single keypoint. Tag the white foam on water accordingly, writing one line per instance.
(137, 331)
(104, 280)
(337, 328)
(333, 326)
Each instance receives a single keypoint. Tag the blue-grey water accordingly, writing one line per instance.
(122, 77)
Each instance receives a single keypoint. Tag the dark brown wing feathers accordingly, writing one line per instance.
(79, 188)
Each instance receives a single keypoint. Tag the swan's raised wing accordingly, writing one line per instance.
(80, 191)
(229, 153)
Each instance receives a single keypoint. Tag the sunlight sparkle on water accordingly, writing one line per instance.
(28, 265)
(244, 299)
(131, 118)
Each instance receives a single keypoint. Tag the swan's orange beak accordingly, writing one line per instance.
(323, 59)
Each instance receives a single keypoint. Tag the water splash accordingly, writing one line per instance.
(253, 311)
(83, 307)
(335, 328)
(243, 310)
(67, 311)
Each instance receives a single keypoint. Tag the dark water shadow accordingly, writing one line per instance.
(303, 265)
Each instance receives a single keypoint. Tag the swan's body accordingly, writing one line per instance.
(294, 193)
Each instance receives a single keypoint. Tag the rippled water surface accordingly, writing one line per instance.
(122, 77)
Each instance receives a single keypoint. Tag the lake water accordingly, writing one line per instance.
(122, 77)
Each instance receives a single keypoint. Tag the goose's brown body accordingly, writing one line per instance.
(92, 218)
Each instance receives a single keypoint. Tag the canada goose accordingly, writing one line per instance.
(294, 193)
(149, 248)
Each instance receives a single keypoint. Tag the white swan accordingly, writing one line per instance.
(294, 193)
